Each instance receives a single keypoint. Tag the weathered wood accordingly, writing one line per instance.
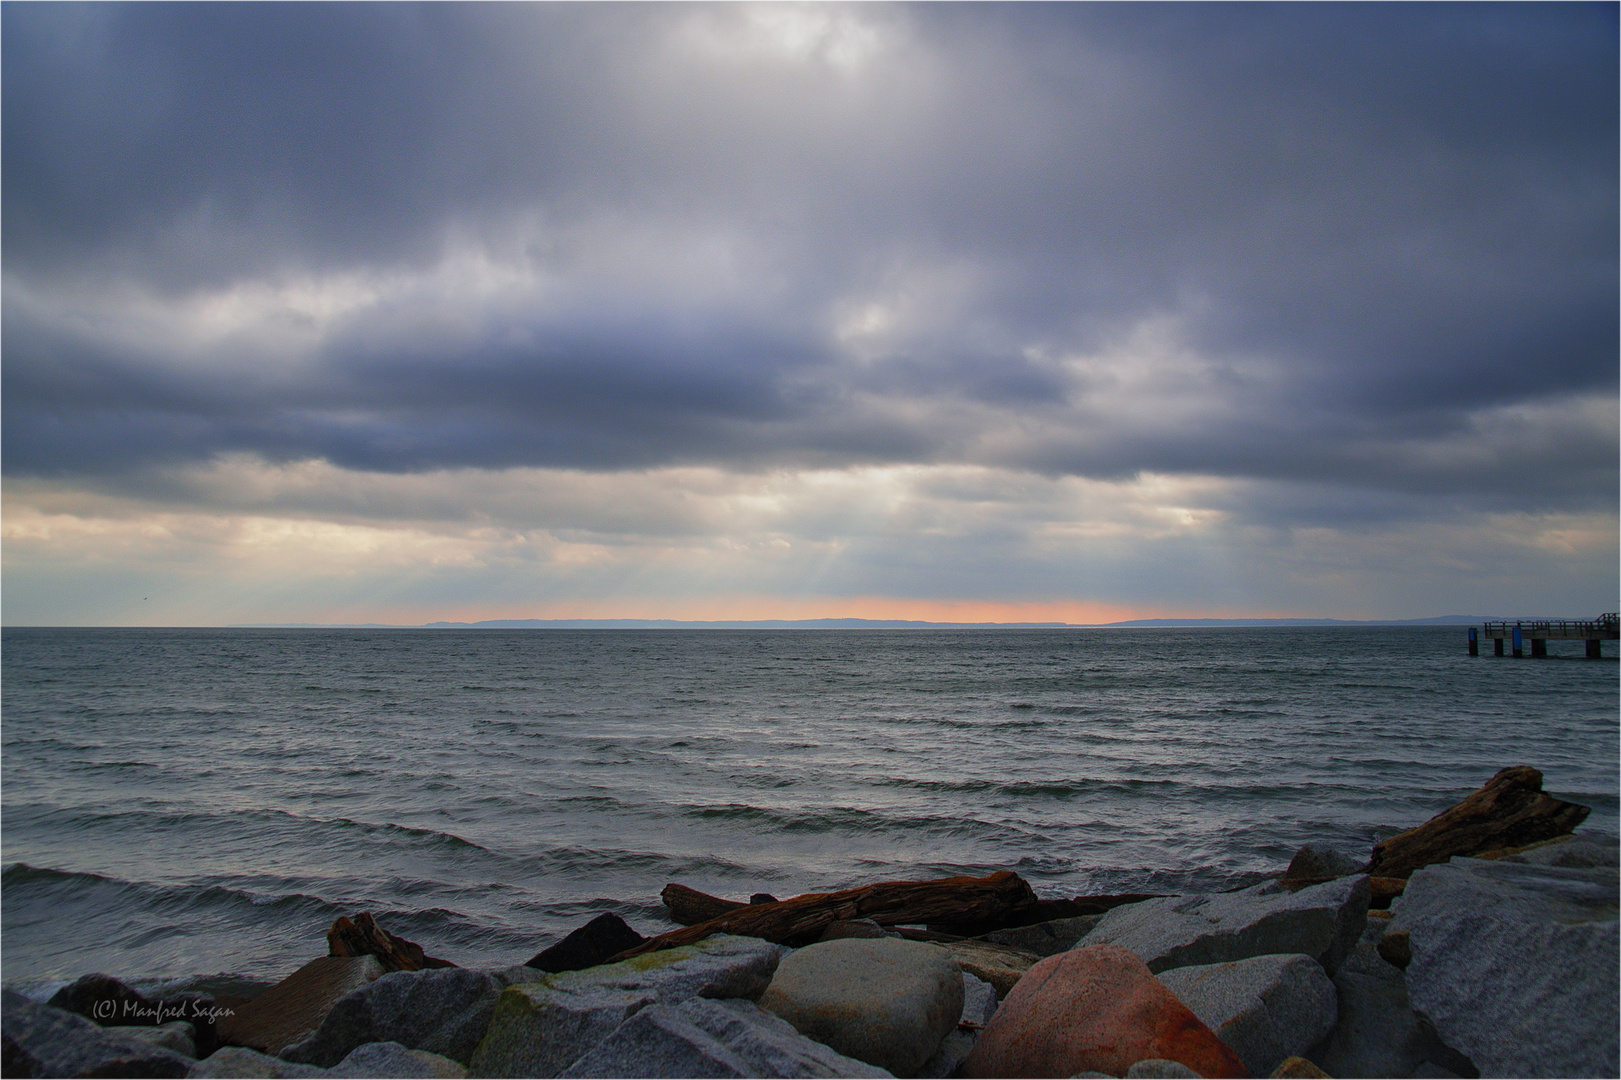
(801, 919)
(363, 937)
(690, 907)
(1039, 911)
(1510, 810)
(1383, 889)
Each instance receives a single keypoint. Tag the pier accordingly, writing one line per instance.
(1539, 632)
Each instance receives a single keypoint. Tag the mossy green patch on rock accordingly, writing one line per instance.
(543, 1026)
(540, 1030)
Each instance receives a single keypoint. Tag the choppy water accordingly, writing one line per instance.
(190, 801)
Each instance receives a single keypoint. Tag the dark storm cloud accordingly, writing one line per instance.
(1371, 226)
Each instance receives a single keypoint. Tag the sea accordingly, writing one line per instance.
(205, 802)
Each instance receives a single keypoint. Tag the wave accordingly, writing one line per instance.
(1067, 710)
(42, 889)
(984, 724)
(577, 861)
(175, 930)
(24, 883)
(865, 821)
(1179, 786)
(1019, 788)
(1589, 798)
(82, 765)
(953, 786)
(412, 835)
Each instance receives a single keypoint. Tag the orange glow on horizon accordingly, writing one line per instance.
(756, 608)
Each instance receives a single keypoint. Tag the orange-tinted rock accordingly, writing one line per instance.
(1095, 1008)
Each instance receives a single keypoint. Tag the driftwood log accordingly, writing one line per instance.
(1511, 810)
(801, 919)
(689, 907)
(1038, 911)
(363, 937)
(1383, 889)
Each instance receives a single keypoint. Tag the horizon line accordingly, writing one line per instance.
(832, 623)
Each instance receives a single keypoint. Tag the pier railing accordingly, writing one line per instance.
(1539, 632)
(1607, 626)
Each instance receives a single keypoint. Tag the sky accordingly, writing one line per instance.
(379, 312)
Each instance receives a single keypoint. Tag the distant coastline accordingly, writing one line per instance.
(846, 624)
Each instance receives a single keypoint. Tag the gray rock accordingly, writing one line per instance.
(1515, 964)
(702, 1037)
(1321, 861)
(104, 999)
(1322, 921)
(888, 1003)
(543, 1023)
(1377, 1033)
(978, 1006)
(442, 1010)
(239, 1061)
(176, 1035)
(1266, 1008)
(721, 966)
(1364, 956)
(1581, 850)
(660, 1041)
(113, 1003)
(1046, 938)
(540, 1030)
(41, 1040)
(390, 1059)
(979, 1001)
(517, 974)
(597, 942)
(1570, 896)
(1160, 1069)
(952, 1052)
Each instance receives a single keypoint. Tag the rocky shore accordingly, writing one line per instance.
(1481, 943)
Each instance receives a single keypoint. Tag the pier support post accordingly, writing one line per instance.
(1497, 646)
(1595, 650)
(1474, 642)
(1539, 646)
(1519, 643)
